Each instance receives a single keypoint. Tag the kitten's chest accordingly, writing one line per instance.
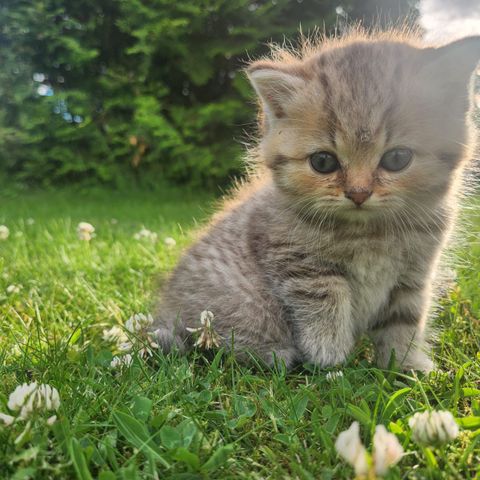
(372, 269)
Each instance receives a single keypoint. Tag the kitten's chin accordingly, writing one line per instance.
(361, 215)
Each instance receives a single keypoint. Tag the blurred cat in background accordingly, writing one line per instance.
(339, 230)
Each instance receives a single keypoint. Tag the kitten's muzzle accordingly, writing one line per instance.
(358, 196)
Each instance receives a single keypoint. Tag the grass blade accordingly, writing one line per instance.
(78, 460)
(138, 435)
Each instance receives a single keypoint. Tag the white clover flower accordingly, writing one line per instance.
(15, 351)
(207, 340)
(85, 231)
(332, 376)
(143, 343)
(86, 227)
(147, 350)
(351, 449)
(51, 420)
(19, 396)
(113, 221)
(138, 323)
(30, 221)
(45, 397)
(387, 450)
(125, 346)
(433, 428)
(6, 419)
(152, 343)
(145, 234)
(208, 337)
(121, 361)
(85, 236)
(169, 242)
(4, 232)
(114, 335)
(28, 398)
(206, 318)
(12, 289)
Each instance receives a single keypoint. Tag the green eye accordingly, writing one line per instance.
(324, 162)
(396, 159)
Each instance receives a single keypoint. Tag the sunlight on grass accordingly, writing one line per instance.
(201, 416)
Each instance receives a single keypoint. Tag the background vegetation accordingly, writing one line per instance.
(113, 90)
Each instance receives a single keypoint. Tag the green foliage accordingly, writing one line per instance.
(120, 88)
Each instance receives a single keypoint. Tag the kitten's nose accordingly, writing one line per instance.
(358, 196)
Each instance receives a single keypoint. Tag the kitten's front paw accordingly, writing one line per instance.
(328, 354)
(419, 361)
(416, 360)
(288, 356)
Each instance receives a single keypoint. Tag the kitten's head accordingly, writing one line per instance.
(367, 126)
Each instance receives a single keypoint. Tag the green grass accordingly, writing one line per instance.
(201, 416)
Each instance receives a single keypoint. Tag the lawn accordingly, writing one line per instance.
(201, 416)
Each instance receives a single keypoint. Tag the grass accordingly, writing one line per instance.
(201, 416)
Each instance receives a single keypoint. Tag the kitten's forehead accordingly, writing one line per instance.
(361, 84)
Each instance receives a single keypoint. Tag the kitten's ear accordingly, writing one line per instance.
(456, 61)
(275, 85)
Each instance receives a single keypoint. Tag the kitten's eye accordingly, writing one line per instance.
(324, 162)
(396, 159)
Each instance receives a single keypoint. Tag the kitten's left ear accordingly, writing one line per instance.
(456, 61)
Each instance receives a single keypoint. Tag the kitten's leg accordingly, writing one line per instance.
(168, 340)
(323, 326)
(402, 329)
(408, 344)
(258, 327)
(272, 354)
(168, 330)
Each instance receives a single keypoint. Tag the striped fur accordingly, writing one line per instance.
(291, 267)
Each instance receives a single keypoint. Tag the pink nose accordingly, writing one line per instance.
(358, 196)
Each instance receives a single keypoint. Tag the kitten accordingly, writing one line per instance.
(339, 233)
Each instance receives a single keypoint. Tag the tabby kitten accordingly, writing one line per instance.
(339, 233)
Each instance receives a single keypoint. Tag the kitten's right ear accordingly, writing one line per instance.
(275, 85)
(454, 62)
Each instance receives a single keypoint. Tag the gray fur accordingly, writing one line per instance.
(293, 268)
